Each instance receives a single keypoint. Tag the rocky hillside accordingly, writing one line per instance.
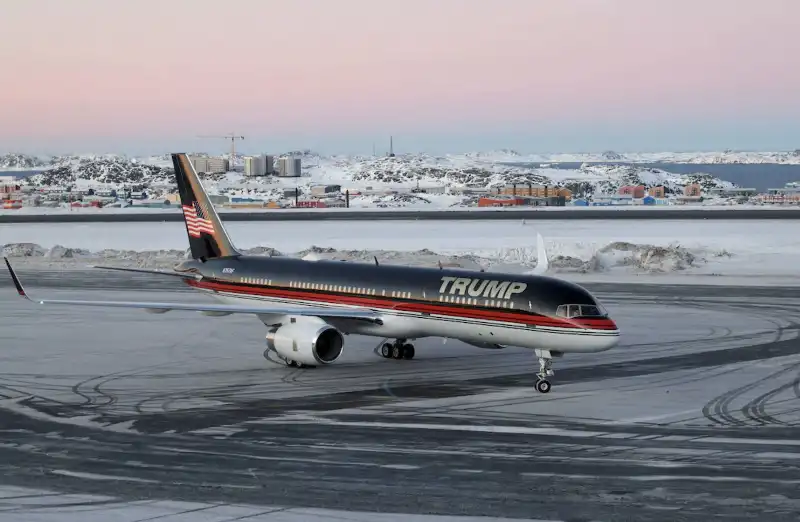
(14, 161)
(607, 179)
(439, 170)
(115, 171)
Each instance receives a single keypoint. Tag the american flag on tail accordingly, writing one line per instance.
(196, 221)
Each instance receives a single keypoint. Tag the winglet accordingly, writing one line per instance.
(17, 283)
(542, 263)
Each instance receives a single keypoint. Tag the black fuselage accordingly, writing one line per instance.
(530, 294)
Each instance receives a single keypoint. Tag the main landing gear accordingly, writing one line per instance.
(288, 362)
(399, 349)
(545, 371)
(294, 364)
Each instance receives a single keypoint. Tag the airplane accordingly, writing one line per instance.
(309, 306)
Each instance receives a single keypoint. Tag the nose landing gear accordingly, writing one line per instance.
(545, 371)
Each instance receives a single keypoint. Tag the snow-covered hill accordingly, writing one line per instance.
(607, 179)
(99, 171)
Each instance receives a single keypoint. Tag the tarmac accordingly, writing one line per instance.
(107, 412)
(403, 215)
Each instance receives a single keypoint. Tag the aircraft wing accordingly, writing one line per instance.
(207, 309)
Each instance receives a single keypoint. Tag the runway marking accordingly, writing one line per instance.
(400, 466)
(96, 476)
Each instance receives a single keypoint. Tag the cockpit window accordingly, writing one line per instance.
(572, 310)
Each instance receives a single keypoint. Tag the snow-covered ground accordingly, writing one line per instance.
(581, 250)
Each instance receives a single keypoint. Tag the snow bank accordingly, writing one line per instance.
(629, 257)
(752, 248)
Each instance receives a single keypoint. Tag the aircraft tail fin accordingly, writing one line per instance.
(207, 237)
(542, 263)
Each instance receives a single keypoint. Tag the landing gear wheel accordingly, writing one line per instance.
(386, 351)
(397, 351)
(408, 351)
(290, 363)
(542, 385)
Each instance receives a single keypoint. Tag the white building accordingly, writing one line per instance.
(289, 167)
(255, 165)
(210, 165)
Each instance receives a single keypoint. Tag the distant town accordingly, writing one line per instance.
(272, 190)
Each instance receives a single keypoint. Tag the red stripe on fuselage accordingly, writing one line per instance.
(464, 311)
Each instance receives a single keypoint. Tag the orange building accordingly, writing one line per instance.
(536, 191)
(636, 192)
(500, 202)
(657, 192)
(693, 190)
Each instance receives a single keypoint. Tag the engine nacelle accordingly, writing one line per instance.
(307, 340)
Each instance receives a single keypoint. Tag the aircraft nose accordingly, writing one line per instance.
(607, 332)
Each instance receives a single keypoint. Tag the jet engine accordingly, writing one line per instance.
(306, 340)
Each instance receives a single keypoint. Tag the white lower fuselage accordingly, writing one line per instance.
(414, 325)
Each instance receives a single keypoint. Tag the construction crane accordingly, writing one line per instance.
(233, 137)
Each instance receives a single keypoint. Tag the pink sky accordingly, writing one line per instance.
(132, 68)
